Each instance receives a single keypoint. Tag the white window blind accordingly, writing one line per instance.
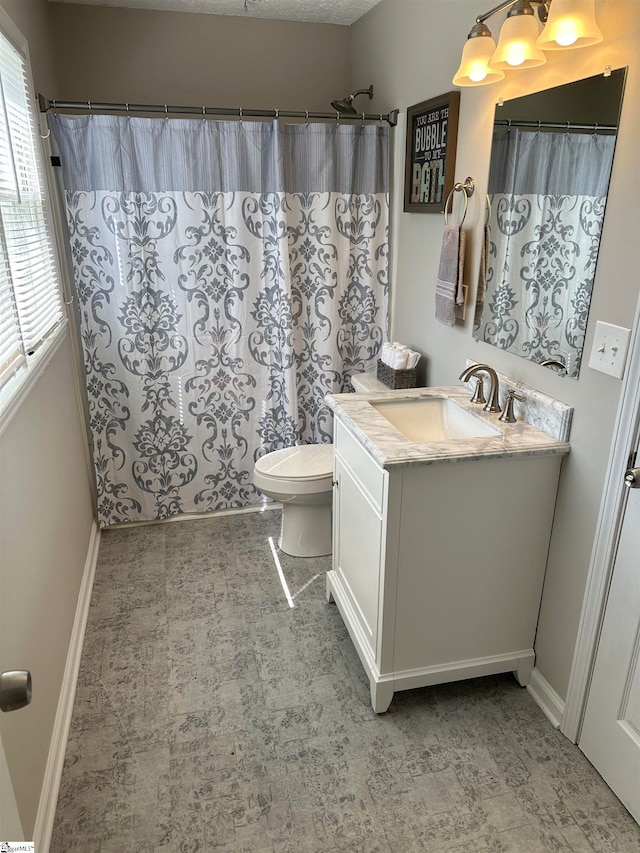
(30, 298)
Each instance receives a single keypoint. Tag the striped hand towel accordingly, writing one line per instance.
(449, 283)
(482, 277)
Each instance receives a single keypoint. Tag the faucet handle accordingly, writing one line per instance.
(508, 417)
(478, 394)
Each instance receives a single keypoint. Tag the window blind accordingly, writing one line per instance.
(30, 298)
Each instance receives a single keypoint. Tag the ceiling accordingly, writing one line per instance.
(343, 12)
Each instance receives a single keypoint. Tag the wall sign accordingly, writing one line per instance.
(432, 135)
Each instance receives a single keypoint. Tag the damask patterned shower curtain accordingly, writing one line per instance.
(548, 193)
(228, 275)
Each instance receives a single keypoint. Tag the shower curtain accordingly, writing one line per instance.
(548, 193)
(228, 275)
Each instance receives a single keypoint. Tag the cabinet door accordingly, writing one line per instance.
(357, 549)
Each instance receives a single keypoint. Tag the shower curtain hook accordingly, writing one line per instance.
(128, 111)
(166, 113)
(240, 113)
(277, 112)
(337, 118)
(90, 107)
(306, 117)
(362, 120)
(46, 136)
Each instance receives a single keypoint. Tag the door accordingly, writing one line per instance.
(611, 732)
(357, 549)
(10, 826)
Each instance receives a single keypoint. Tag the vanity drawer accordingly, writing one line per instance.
(371, 477)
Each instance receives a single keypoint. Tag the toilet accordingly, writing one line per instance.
(301, 479)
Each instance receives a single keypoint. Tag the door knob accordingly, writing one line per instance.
(632, 478)
(15, 689)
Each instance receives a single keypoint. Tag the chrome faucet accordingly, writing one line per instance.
(493, 404)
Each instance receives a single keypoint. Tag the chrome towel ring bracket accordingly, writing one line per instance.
(468, 188)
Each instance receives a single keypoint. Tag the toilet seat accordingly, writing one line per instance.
(306, 469)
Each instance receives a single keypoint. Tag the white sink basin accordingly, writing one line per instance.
(433, 419)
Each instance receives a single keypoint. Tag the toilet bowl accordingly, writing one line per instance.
(301, 479)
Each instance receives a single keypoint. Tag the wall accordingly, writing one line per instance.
(411, 51)
(45, 521)
(141, 56)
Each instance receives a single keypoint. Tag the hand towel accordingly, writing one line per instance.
(387, 354)
(482, 276)
(400, 358)
(449, 283)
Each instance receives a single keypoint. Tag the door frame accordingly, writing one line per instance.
(625, 437)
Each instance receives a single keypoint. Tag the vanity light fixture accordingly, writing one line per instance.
(568, 24)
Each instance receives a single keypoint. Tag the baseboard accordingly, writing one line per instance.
(546, 698)
(53, 771)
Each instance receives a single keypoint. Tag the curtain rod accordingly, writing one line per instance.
(557, 125)
(47, 104)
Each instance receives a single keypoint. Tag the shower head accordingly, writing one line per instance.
(345, 105)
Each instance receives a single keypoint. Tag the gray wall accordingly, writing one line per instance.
(32, 17)
(132, 55)
(411, 50)
(45, 520)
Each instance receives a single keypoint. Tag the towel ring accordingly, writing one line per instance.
(446, 207)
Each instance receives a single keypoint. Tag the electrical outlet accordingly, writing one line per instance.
(609, 350)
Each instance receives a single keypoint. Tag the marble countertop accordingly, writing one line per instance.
(390, 448)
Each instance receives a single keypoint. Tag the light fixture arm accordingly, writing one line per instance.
(543, 10)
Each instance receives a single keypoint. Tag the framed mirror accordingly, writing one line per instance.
(551, 159)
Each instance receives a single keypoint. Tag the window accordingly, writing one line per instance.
(30, 297)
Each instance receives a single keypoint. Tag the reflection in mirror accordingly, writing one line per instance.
(550, 167)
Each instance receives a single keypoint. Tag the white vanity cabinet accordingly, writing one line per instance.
(438, 567)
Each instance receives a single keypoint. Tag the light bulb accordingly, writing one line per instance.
(567, 33)
(516, 53)
(477, 72)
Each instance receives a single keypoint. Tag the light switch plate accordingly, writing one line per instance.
(609, 351)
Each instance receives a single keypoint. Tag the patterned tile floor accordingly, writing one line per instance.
(211, 716)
